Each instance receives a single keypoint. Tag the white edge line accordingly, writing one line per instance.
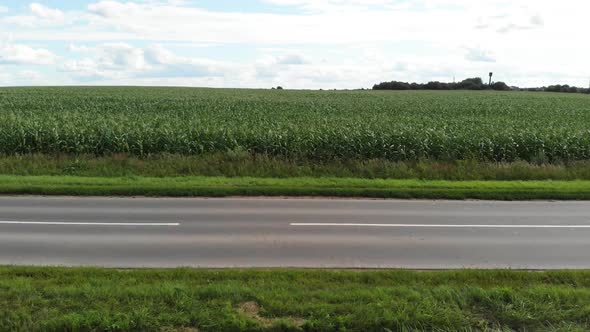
(433, 225)
(61, 223)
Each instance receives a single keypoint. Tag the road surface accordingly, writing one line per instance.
(145, 232)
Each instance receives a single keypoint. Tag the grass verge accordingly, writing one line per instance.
(243, 164)
(62, 299)
(338, 187)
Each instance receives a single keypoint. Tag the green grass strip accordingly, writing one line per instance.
(62, 299)
(337, 187)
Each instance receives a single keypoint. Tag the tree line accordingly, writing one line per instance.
(561, 88)
(475, 83)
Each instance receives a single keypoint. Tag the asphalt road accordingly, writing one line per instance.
(144, 232)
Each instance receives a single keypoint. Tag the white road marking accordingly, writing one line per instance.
(434, 225)
(63, 223)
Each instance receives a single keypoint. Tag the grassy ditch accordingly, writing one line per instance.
(242, 164)
(61, 299)
(337, 187)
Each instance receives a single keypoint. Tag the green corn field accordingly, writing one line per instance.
(313, 125)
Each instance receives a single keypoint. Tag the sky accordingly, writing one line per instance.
(298, 44)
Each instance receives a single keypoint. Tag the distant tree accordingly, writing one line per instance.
(475, 83)
(435, 85)
(393, 85)
(561, 88)
(474, 80)
(500, 86)
(279, 87)
(416, 86)
(553, 88)
(470, 85)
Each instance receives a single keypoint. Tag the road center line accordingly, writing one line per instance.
(63, 223)
(434, 225)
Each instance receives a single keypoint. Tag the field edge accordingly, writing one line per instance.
(295, 187)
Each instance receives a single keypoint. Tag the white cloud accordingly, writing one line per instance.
(19, 54)
(284, 60)
(291, 59)
(448, 21)
(39, 15)
(333, 5)
(161, 22)
(46, 13)
(117, 64)
(537, 21)
(107, 60)
(271, 66)
(317, 43)
(120, 60)
(478, 54)
(22, 78)
(168, 64)
(167, 68)
(121, 56)
(30, 76)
